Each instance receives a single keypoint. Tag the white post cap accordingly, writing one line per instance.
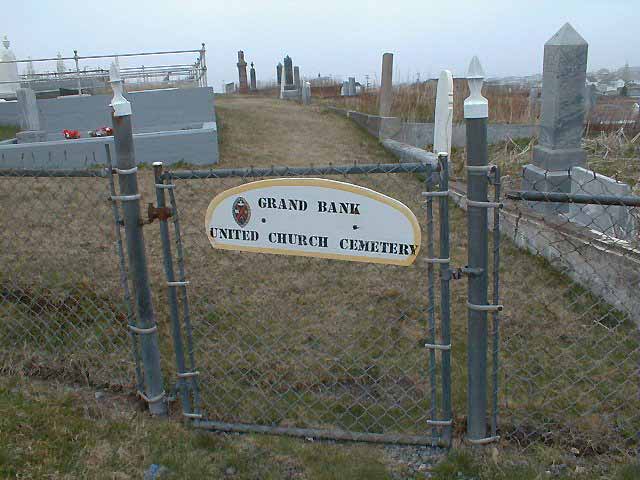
(475, 105)
(121, 106)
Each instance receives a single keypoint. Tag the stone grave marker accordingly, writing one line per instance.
(29, 115)
(443, 126)
(386, 85)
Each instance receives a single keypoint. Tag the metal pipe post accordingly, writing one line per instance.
(495, 342)
(172, 286)
(75, 57)
(204, 66)
(476, 117)
(445, 296)
(130, 198)
(431, 319)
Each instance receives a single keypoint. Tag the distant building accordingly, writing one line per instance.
(611, 111)
(633, 90)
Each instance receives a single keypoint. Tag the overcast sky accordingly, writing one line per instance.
(332, 37)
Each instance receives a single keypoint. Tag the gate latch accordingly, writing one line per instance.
(458, 273)
(162, 213)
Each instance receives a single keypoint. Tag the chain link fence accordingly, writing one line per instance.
(570, 341)
(297, 342)
(63, 315)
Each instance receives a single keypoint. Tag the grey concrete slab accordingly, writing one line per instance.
(194, 147)
(616, 221)
(153, 110)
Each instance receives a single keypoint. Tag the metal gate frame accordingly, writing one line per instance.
(439, 426)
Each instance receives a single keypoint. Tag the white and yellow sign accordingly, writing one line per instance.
(315, 218)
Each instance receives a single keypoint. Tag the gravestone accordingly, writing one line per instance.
(60, 66)
(562, 117)
(279, 73)
(443, 126)
(229, 88)
(242, 73)
(296, 77)
(306, 93)
(288, 72)
(282, 87)
(352, 87)
(562, 120)
(252, 74)
(29, 114)
(386, 87)
(558, 160)
(8, 71)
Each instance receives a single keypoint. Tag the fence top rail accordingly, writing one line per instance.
(78, 57)
(69, 173)
(426, 167)
(581, 198)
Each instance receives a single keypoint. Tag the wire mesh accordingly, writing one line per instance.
(304, 342)
(62, 311)
(569, 340)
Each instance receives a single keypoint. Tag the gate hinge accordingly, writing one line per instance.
(162, 213)
(458, 273)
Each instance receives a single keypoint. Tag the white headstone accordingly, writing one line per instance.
(28, 109)
(444, 114)
(8, 71)
(306, 93)
(60, 67)
(282, 83)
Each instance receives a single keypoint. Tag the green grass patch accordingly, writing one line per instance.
(8, 131)
(52, 432)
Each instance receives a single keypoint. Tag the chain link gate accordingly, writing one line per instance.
(304, 346)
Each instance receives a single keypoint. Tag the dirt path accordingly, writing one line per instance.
(264, 131)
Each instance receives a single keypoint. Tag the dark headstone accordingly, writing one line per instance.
(242, 73)
(252, 74)
(288, 70)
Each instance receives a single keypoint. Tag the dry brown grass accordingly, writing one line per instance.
(416, 102)
(312, 342)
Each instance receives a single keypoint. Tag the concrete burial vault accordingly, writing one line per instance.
(170, 125)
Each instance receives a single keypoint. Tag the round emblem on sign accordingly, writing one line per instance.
(241, 211)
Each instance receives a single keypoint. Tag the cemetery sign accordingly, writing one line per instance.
(315, 218)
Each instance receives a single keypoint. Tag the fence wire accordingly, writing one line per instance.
(288, 342)
(570, 351)
(299, 342)
(62, 311)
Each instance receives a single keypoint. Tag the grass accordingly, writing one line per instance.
(416, 102)
(8, 131)
(50, 430)
(309, 342)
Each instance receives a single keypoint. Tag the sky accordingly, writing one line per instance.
(331, 37)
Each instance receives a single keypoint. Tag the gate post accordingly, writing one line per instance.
(130, 198)
(476, 113)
